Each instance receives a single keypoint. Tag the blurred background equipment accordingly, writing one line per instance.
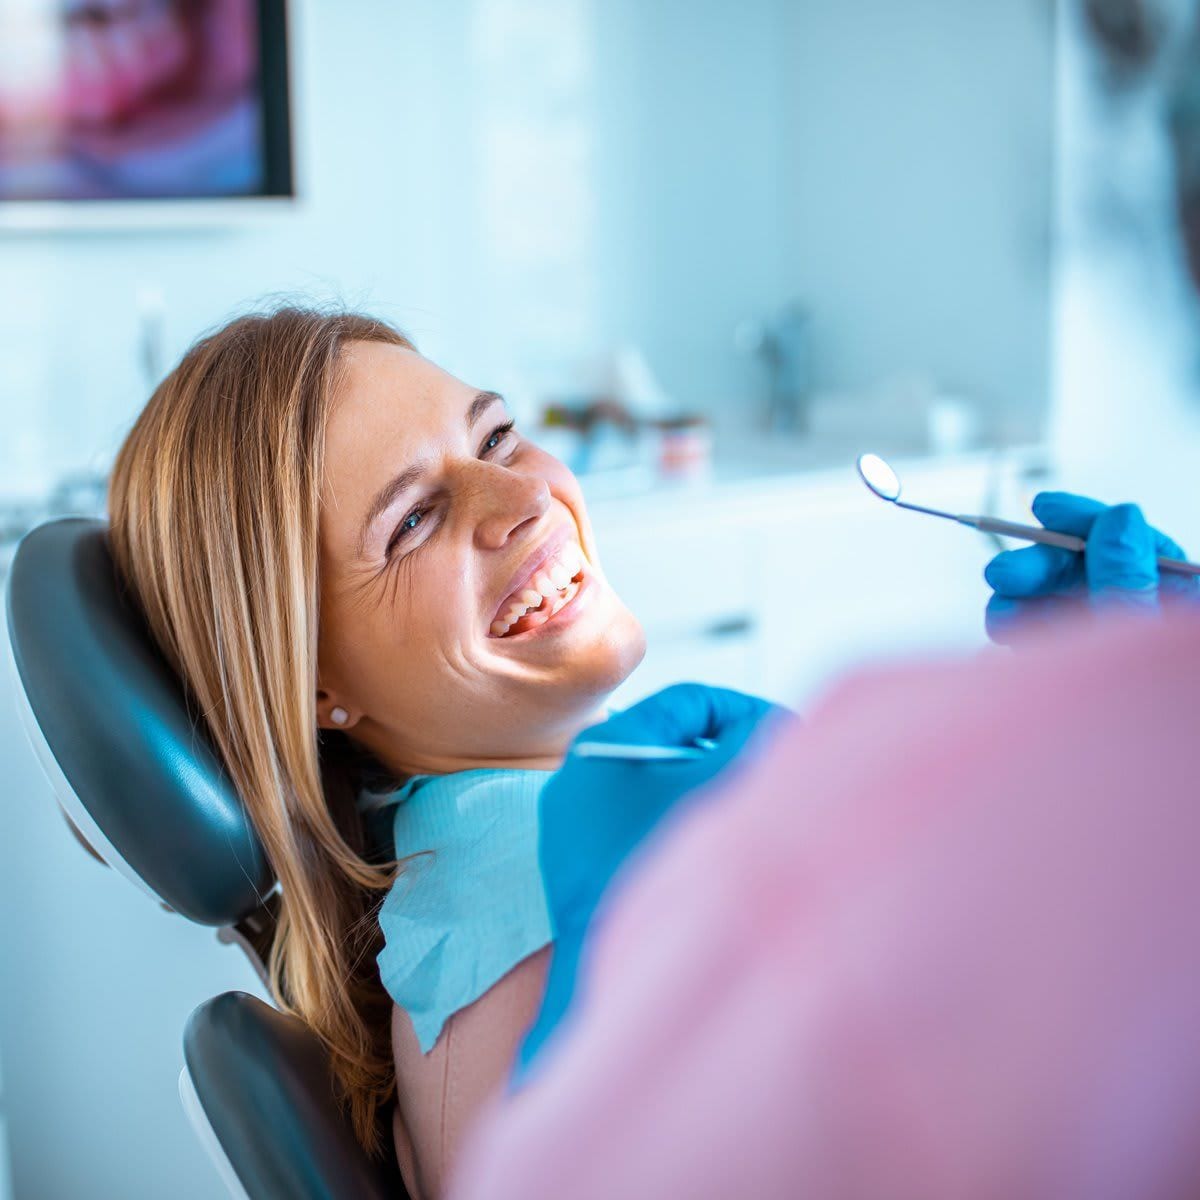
(782, 346)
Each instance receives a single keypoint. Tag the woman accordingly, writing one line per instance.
(365, 575)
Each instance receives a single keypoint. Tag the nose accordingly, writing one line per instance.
(509, 502)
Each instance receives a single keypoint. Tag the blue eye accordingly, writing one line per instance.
(406, 526)
(498, 435)
(414, 518)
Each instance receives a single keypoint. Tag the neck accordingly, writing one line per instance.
(548, 755)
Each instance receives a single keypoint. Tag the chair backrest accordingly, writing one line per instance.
(141, 783)
(257, 1082)
(131, 766)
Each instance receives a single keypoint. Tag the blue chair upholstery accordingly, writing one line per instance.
(144, 790)
(246, 1064)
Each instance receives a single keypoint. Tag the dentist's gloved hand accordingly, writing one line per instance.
(595, 811)
(1118, 569)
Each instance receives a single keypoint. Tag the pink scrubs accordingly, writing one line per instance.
(943, 941)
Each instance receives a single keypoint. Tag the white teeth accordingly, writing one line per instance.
(564, 599)
(503, 627)
(551, 583)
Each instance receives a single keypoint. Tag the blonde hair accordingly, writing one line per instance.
(214, 505)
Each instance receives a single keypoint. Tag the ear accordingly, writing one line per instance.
(332, 714)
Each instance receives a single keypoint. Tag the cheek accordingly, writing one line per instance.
(427, 610)
(417, 614)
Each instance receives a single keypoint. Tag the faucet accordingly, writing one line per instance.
(783, 344)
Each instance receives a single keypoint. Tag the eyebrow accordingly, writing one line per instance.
(399, 484)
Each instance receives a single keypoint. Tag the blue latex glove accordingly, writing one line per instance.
(595, 811)
(1118, 569)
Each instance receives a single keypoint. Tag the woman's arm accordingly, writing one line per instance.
(439, 1093)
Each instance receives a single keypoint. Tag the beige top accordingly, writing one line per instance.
(439, 1093)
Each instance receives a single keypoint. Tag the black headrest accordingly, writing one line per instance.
(133, 769)
(263, 1081)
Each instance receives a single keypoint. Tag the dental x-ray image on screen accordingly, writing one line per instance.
(143, 99)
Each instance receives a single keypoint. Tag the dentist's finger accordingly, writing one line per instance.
(1033, 571)
(1183, 586)
(1065, 512)
(679, 714)
(1122, 564)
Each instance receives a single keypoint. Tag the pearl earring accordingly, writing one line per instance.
(339, 716)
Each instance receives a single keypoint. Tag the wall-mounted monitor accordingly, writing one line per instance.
(142, 112)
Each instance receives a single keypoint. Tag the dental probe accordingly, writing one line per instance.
(634, 752)
(885, 483)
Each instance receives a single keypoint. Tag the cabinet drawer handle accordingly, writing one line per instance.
(730, 626)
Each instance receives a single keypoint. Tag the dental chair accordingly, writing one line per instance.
(143, 790)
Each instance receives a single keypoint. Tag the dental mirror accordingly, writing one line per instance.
(880, 477)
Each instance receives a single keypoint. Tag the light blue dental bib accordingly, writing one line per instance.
(460, 918)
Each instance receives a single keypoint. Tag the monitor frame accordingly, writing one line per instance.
(281, 196)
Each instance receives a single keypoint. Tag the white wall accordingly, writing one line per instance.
(694, 130)
(918, 188)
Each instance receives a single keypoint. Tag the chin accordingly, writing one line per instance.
(624, 649)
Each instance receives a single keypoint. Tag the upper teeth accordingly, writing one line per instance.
(549, 580)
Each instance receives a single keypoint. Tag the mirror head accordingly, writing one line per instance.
(879, 477)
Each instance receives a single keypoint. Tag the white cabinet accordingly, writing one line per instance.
(690, 580)
(774, 585)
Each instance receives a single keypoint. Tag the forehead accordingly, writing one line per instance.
(390, 408)
(384, 390)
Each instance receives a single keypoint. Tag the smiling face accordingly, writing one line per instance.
(441, 529)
